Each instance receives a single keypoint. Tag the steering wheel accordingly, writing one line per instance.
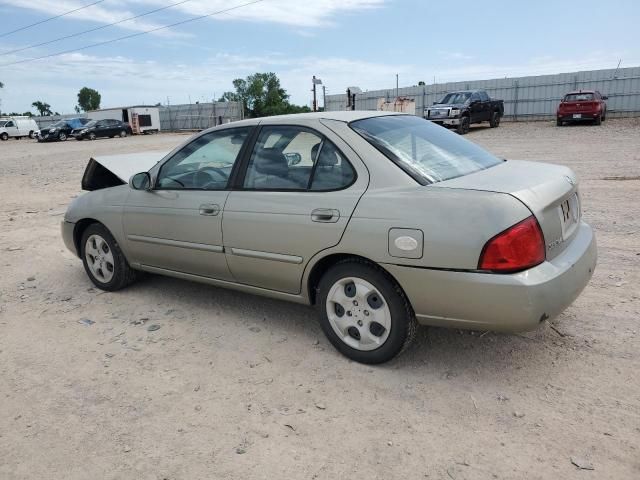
(207, 175)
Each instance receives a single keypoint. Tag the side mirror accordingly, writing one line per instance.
(140, 181)
(604, 97)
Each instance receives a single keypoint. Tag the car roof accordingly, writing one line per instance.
(341, 116)
(581, 91)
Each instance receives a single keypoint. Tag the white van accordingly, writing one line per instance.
(17, 127)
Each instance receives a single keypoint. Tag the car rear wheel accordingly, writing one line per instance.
(364, 313)
(62, 136)
(123, 133)
(495, 120)
(103, 260)
(4, 136)
(463, 127)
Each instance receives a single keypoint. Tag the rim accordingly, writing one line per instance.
(62, 136)
(358, 313)
(123, 134)
(92, 136)
(99, 258)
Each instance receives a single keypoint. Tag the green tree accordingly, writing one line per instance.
(88, 99)
(262, 95)
(42, 107)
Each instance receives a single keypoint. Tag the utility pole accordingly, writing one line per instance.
(315, 81)
(324, 98)
(397, 95)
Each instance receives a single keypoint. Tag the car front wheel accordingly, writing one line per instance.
(62, 136)
(103, 260)
(4, 136)
(364, 313)
(463, 127)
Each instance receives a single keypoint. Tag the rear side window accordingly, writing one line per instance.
(425, 151)
(294, 158)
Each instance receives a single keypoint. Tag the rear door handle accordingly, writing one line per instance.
(209, 209)
(325, 215)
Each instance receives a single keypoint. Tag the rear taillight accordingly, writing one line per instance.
(517, 248)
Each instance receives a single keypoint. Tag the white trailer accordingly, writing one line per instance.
(141, 118)
(17, 127)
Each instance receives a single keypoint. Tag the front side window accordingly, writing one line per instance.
(10, 124)
(204, 164)
(293, 158)
(427, 152)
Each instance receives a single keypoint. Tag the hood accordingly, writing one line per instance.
(112, 170)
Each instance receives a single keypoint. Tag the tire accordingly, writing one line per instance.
(463, 127)
(31, 134)
(494, 122)
(92, 136)
(62, 136)
(123, 133)
(348, 313)
(559, 122)
(4, 136)
(79, 138)
(597, 120)
(113, 272)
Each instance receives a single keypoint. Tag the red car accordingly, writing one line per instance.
(580, 106)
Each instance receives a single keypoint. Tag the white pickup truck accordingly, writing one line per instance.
(17, 127)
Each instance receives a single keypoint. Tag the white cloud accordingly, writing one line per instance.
(294, 13)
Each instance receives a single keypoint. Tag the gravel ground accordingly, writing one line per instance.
(239, 387)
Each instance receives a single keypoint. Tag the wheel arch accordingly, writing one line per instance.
(79, 229)
(323, 265)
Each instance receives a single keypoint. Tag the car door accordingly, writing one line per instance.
(11, 128)
(475, 108)
(294, 199)
(177, 225)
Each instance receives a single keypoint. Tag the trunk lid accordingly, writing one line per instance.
(549, 191)
(577, 107)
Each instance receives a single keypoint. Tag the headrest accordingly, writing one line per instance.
(271, 161)
(328, 156)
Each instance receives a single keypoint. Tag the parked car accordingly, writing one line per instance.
(386, 222)
(582, 105)
(101, 128)
(17, 127)
(61, 130)
(464, 108)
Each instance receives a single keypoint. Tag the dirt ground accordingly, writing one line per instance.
(240, 387)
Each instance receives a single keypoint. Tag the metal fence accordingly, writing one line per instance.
(196, 116)
(199, 116)
(525, 98)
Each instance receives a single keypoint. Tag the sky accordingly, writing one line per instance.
(362, 43)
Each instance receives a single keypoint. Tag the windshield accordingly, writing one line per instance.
(58, 124)
(427, 152)
(90, 124)
(455, 98)
(579, 97)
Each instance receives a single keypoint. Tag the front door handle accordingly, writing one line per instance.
(325, 215)
(209, 209)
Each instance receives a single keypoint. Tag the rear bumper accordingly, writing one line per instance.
(67, 228)
(509, 303)
(568, 117)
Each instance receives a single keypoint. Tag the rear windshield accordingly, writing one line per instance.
(426, 151)
(578, 97)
